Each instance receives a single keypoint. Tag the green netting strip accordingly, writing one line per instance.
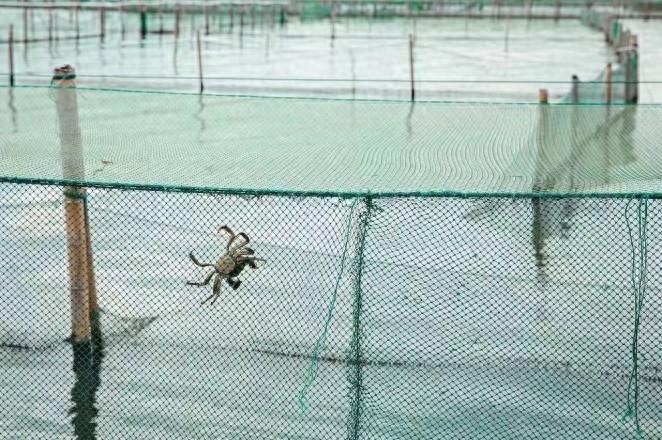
(311, 374)
(638, 275)
(355, 373)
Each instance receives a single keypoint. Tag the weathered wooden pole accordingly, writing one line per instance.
(575, 89)
(81, 274)
(77, 20)
(25, 25)
(206, 17)
(411, 67)
(632, 71)
(102, 24)
(608, 83)
(202, 86)
(143, 22)
(543, 96)
(10, 42)
(177, 18)
(50, 23)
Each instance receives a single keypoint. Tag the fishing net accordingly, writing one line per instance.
(431, 270)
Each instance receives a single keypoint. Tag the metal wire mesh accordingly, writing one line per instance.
(445, 317)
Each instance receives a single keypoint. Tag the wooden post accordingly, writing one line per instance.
(575, 89)
(50, 23)
(608, 81)
(77, 20)
(202, 86)
(122, 24)
(143, 22)
(632, 70)
(543, 96)
(81, 274)
(206, 17)
(11, 55)
(102, 24)
(177, 18)
(332, 17)
(411, 66)
(25, 25)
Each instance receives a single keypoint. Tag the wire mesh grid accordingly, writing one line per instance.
(371, 318)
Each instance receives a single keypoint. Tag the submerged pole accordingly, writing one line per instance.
(81, 275)
(411, 66)
(202, 86)
(11, 55)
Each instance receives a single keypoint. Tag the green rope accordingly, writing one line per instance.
(638, 275)
(311, 374)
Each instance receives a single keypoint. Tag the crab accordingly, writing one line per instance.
(228, 267)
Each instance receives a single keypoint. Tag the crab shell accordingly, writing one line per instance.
(226, 264)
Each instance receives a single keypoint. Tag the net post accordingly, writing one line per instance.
(202, 86)
(143, 21)
(177, 19)
(575, 89)
(411, 67)
(25, 25)
(10, 49)
(77, 20)
(608, 83)
(102, 24)
(84, 305)
(632, 70)
(355, 356)
(205, 14)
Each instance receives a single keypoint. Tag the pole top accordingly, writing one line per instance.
(64, 72)
(543, 96)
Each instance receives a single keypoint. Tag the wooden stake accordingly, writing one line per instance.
(575, 89)
(11, 55)
(411, 66)
(50, 23)
(177, 18)
(206, 16)
(102, 24)
(143, 22)
(25, 25)
(543, 96)
(81, 274)
(608, 81)
(77, 19)
(202, 86)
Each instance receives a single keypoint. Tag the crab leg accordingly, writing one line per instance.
(216, 291)
(204, 283)
(197, 263)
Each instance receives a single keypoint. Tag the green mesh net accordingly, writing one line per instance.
(431, 270)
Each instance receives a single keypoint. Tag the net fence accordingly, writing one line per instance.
(409, 270)
(427, 317)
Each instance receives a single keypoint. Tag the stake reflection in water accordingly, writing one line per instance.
(87, 360)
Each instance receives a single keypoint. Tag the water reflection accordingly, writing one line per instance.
(12, 110)
(87, 360)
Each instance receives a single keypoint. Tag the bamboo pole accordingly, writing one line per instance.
(608, 83)
(11, 55)
(81, 274)
(206, 17)
(77, 20)
(411, 67)
(202, 86)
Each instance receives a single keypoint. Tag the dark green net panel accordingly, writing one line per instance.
(433, 271)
